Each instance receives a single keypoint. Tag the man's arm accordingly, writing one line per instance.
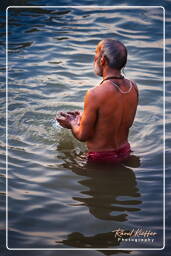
(84, 129)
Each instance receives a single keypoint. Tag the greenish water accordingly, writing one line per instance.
(56, 200)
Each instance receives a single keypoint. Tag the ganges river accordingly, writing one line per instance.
(55, 200)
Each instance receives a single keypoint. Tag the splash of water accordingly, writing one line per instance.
(55, 124)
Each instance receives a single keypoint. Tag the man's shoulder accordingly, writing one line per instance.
(91, 95)
(94, 91)
(91, 92)
(135, 86)
(94, 95)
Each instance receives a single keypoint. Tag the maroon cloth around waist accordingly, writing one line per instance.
(112, 156)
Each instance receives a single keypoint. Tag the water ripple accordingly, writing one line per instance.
(52, 193)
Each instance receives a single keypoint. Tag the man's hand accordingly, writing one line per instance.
(74, 113)
(67, 120)
(81, 124)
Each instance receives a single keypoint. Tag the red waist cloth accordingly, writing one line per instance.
(112, 156)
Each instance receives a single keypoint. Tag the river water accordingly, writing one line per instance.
(56, 200)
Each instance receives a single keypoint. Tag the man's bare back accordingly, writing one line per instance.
(115, 114)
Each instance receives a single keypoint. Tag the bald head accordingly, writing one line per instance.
(115, 52)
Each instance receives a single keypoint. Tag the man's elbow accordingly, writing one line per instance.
(79, 136)
(84, 137)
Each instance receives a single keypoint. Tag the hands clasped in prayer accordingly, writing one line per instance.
(68, 119)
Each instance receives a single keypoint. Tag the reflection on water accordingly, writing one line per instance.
(103, 240)
(53, 194)
(106, 188)
(110, 193)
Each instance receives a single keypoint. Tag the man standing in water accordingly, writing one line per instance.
(109, 108)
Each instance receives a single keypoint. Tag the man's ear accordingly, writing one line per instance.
(102, 60)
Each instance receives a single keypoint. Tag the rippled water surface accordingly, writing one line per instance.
(55, 199)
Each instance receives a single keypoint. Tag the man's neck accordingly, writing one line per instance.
(111, 72)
